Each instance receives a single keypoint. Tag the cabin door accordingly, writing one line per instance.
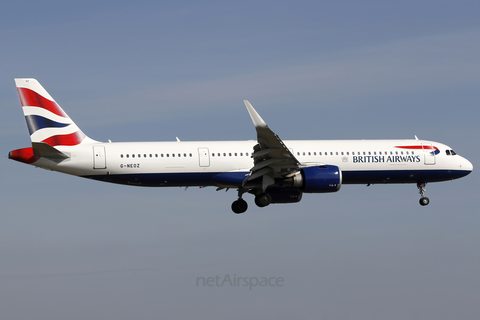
(428, 153)
(99, 160)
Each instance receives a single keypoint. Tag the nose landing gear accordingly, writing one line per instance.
(421, 189)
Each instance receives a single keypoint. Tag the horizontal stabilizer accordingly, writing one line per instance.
(44, 150)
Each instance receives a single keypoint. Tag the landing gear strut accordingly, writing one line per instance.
(421, 189)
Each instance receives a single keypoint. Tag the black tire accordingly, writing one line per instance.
(424, 201)
(239, 206)
(263, 199)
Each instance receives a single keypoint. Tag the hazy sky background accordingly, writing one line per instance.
(71, 248)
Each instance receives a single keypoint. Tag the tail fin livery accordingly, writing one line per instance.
(46, 120)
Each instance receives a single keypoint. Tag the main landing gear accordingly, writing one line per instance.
(263, 199)
(240, 206)
(421, 189)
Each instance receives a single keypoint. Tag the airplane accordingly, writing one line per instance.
(273, 170)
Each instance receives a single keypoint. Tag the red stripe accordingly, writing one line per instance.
(24, 155)
(66, 139)
(30, 98)
(417, 147)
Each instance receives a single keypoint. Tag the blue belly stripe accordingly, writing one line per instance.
(234, 179)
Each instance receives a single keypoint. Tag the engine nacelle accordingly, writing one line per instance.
(318, 179)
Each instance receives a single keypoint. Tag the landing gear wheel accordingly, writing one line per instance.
(424, 201)
(263, 199)
(239, 206)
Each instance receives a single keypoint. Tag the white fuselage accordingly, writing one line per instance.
(196, 163)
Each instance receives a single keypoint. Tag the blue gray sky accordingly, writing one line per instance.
(148, 70)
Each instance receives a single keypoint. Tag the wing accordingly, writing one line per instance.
(271, 157)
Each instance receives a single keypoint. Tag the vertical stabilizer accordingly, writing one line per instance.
(46, 120)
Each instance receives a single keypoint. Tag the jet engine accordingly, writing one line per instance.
(318, 179)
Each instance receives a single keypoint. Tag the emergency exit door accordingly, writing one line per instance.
(204, 157)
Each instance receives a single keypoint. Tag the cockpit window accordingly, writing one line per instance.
(453, 152)
(448, 152)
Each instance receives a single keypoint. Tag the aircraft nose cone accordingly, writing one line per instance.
(466, 165)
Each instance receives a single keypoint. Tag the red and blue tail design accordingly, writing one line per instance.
(46, 120)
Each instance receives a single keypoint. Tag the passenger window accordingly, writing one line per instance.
(127, 155)
(156, 155)
(133, 155)
(121, 156)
